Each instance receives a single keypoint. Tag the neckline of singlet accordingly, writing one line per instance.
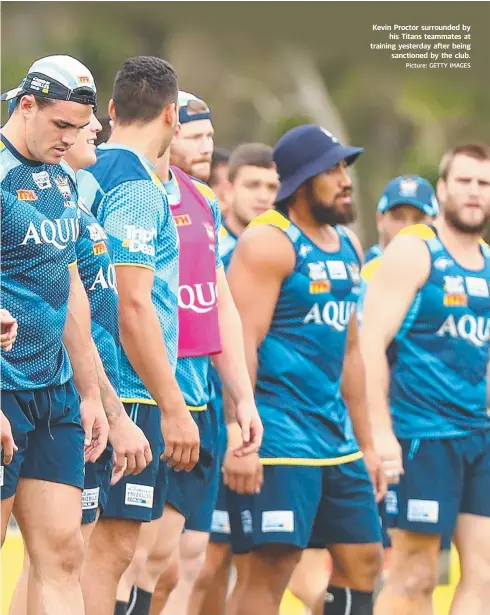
(15, 152)
(228, 230)
(332, 253)
(465, 269)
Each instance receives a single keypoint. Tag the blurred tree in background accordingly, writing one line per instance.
(264, 67)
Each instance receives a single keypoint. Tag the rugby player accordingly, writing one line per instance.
(406, 200)
(218, 178)
(130, 447)
(252, 189)
(131, 205)
(303, 268)
(429, 304)
(52, 421)
(208, 326)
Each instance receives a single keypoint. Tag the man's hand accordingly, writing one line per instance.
(376, 472)
(131, 448)
(248, 418)
(181, 437)
(8, 445)
(244, 475)
(390, 453)
(8, 330)
(96, 427)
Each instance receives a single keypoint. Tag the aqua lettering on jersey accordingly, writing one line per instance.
(39, 229)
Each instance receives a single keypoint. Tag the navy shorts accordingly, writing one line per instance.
(141, 497)
(194, 493)
(220, 523)
(442, 479)
(47, 429)
(96, 488)
(307, 506)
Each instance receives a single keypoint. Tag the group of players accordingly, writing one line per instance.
(133, 366)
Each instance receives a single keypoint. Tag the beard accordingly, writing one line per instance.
(329, 213)
(476, 228)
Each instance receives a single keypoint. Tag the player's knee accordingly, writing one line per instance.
(193, 562)
(475, 571)
(170, 576)
(113, 549)
(276, 564)
(417, 577)
(369, 563)
(61, 557)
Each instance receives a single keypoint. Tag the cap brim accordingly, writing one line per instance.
(407, 201)
(11, 94)
(329, 159)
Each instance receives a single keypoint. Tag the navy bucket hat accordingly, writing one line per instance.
(306, 151)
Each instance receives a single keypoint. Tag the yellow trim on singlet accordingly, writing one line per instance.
(198, 408)
(154, 177)
(138, 400)
(369, 269)
(273, 218)
(418, 230)
(204, 189)
(223, 232)
(2, 146)
(297, 461)
(72, 264)
(134, 265)
(152, 402)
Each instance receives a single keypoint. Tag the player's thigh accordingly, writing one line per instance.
(96, 486)
(429, 495)
(414, 559)
(347, 513)
(49, 517)
(282, 513)
(6, 511)
(472, 539)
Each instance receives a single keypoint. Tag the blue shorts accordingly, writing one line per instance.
(307, 506)
(220, 523)
(141, 497)
(442, 479)
(194, 493)
(47, 429)
(96, 488)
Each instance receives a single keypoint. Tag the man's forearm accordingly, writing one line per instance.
(231, 363)
(354, 394)
(143, 342)
(377, 380)
(110, 400)
(77, 338)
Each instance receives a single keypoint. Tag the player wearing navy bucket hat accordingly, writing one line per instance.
(306, 151)
(301, 265)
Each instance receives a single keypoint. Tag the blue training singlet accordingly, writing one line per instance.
(39, 230)
(439, 372)
(301, 358)
(131, 204)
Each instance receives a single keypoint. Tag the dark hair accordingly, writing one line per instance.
(250, 155)
(142, 88)
(41, 101)
(105, 133)
(219, 158)
(478, 151)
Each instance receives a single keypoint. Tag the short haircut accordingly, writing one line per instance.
(219, 158)
(478, 151)
(143, 87)
(250, 155)
(105, 133)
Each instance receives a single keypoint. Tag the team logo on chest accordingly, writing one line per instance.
(455, 295)
(42, 180)
(63, 185)
(319, 282)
